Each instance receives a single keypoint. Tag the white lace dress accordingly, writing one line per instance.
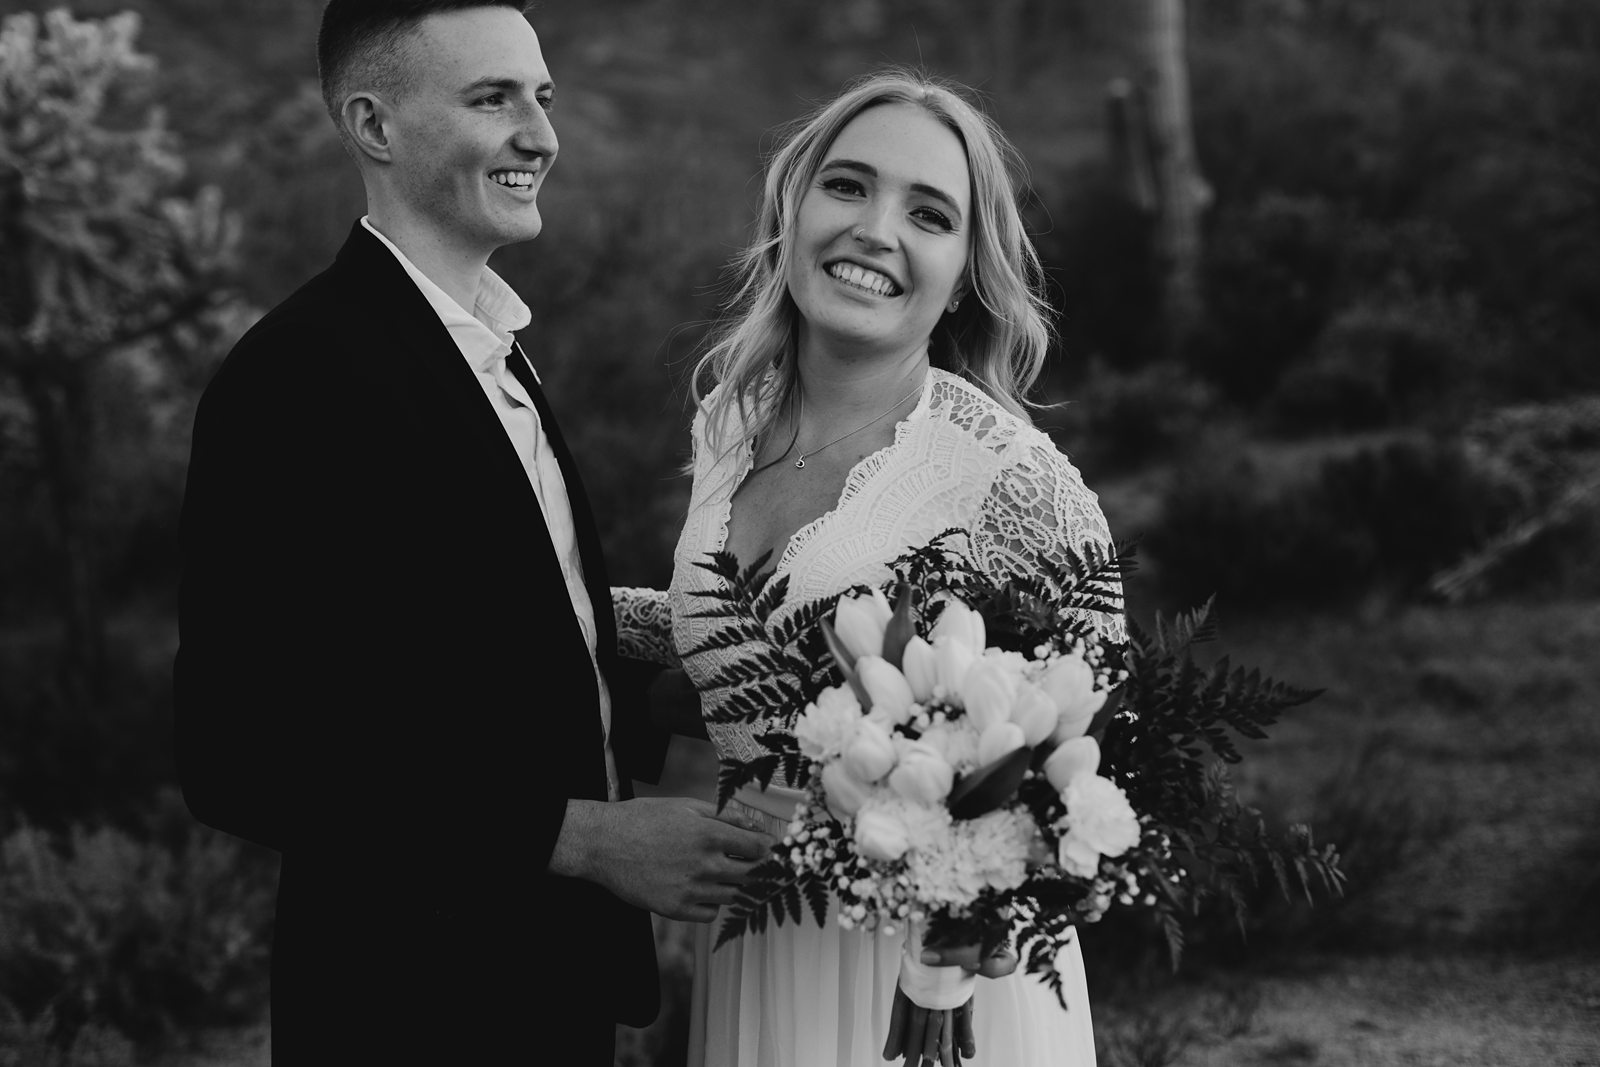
(800, 996)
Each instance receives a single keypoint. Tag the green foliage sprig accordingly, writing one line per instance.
(1166, 737)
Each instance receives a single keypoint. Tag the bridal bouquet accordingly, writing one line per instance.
(977, 759)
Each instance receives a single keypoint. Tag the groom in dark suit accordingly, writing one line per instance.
(397, 662)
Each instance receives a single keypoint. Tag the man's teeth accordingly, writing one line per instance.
(516, 178)
(861, 278)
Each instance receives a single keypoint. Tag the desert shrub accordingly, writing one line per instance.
(1387, 362)
(1271, 282)
(142, 936)
(1381, 518)
(1118, 421)
(61, 762)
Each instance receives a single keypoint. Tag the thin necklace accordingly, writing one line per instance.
(800, 462)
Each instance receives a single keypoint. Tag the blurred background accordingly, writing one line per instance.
(1328, 279)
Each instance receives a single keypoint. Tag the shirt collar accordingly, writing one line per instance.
(482, 336)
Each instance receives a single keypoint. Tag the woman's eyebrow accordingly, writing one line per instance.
(870, 171)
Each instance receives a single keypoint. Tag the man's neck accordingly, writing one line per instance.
(455, 270)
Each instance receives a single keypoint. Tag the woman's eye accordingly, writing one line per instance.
(843, 186)
(934, 217)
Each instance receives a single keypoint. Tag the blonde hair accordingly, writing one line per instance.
(998, 337)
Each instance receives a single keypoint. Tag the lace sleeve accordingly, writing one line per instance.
(1036, 509)
(644, 625)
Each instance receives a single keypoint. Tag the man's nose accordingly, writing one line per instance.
(536, 135)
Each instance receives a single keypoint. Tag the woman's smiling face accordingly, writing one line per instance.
(882, 233)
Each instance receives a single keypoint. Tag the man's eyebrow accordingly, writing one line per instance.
(872, 172)
(506, 85)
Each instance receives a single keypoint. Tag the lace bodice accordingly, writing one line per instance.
(958, 460)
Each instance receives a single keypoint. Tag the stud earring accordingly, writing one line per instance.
(954, 304)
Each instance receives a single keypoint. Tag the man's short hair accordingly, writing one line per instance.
(361, 44)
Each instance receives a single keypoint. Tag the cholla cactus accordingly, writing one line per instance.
(94, 248)
(98, 251)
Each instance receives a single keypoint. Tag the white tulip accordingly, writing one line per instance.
(860, 622)
(887, 688)
(951, 661)
(1001, 739)
(1034, 711)
(920, 667)
(922, 775)
(1070, 683)
(962, 623)
(1081, 755)
(986, 693)
(871, 753)
(843, 792)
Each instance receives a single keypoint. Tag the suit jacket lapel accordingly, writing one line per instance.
(593, 559)
(406, 326)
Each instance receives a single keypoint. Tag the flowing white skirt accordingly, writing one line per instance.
(804, 996)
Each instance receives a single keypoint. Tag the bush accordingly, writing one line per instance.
(144, 937)
(1388, 362)
(1379, 519)
(1118, 421)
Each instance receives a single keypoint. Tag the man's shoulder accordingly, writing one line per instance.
(325, 323)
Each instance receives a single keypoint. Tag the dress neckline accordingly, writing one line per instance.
(860, 473)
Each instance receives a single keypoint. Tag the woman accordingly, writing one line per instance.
(868, 395)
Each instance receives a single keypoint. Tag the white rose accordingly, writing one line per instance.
(881, 834)
(961, 623)
(986, 693)
(829, 725)
(918, 664)
(922, 774)
(1070, 683)
(886, 687)
(1099, 821)
(843, 792)
(860, 622)
(999, 740)
(871, 753)
(1034, 711)
(1072, 758)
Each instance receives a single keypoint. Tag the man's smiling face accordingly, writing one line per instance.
(470, 133)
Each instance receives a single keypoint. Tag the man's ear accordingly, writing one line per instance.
(366, 120)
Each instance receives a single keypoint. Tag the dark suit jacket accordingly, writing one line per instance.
(380, 676)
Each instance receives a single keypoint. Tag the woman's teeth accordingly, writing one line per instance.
(518, 179)
(861, 278)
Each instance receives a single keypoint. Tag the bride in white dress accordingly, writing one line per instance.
(867, 396)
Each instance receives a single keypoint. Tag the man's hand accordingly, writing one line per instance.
(671, 855)
(944, 1037)
(923, 1035)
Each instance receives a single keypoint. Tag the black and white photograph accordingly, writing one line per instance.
(1046, 533)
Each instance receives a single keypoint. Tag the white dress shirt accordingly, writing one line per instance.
(484, 339)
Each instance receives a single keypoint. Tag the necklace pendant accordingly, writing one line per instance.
(800, 464)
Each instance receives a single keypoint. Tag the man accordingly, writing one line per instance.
(397, 661)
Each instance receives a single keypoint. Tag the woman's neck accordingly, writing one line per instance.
(839, 388)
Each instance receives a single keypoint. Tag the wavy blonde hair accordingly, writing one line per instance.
(997, 338)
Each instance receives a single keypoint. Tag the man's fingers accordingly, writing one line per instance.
(965, 1041)
(967, 956)
(1001, 962)
(897, 1025)
(916, 1028)
(947, 1047)
(931, 1035)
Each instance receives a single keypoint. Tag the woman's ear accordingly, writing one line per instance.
(366, 118)
(956, 296)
